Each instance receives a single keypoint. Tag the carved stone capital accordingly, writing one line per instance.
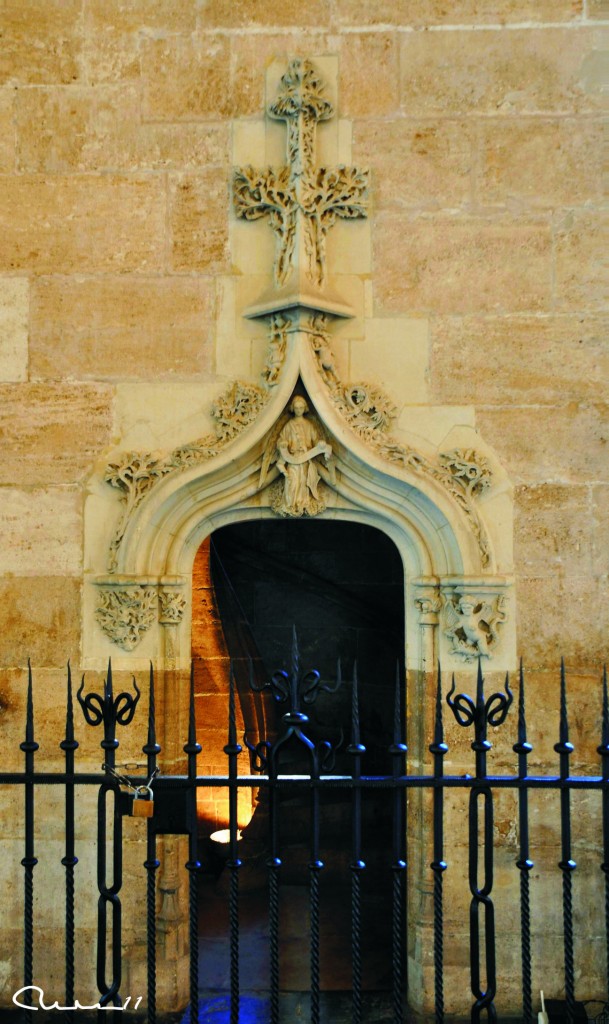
(172, 605)
(428, 600)
(125, 613)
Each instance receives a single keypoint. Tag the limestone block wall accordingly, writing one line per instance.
(485, 302)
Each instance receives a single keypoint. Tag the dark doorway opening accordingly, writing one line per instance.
(341, 586)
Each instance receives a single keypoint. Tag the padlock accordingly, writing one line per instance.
(143, 803)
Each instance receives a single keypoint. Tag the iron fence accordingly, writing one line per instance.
(168, 802)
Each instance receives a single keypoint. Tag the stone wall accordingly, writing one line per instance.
(483, 302)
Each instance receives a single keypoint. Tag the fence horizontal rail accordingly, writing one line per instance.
(555, 782)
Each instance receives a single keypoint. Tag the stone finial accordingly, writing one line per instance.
(302, 201)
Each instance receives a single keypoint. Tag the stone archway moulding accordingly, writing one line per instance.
(335, 454)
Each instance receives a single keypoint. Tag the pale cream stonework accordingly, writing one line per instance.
(14, 319)
(479, 288)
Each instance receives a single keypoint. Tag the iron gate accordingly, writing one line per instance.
(174, 811)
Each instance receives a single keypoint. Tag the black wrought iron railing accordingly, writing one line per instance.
(172, 810)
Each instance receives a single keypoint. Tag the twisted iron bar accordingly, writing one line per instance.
(356, 931)
(398, 751)
(274, 865)
(566, 864)
(356, 749)
(193, 935)
(439, 749)
(524, 862)
(192, 749)
(232, 751)
(567, 900)
(233, 912)
(70, 934)
(525, 930)
(28, 931)
(69, 745)
(29, 861)
(151, 748)
(397, 935)
(314, 869)
(438, 943)
(151, 939)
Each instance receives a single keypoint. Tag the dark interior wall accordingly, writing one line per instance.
(341, 585)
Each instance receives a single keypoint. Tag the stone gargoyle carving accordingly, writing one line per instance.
(473, 624)
(298, 450)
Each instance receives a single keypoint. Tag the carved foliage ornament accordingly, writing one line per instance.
(172, 605)
(369, 412)
(301, 198)
(125, 613)
(136, 473)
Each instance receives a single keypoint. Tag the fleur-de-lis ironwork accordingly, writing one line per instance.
(295, 690)
(107, 709)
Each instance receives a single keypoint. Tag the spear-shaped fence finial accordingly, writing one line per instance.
(564, 748)
(29, 746)
(69, 743)
(522, 747)
(151, 747)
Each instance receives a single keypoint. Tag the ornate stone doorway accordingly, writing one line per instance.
(341, 585)
(311, 439)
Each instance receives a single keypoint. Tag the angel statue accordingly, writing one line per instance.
(472, 625)
(298, 451)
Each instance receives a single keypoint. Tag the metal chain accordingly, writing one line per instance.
(124, 781)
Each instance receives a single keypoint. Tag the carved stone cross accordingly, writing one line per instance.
(301, 201)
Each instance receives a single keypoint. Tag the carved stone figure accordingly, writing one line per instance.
(125, 613)
(472, 625)
(320, 343)
(278, 338)
(298, 451)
